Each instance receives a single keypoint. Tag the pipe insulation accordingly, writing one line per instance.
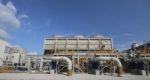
(60, 59)
(117, 61)
(57, 58)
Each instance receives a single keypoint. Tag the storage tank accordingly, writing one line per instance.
(1, 62)
(18, 58)
(17, 55)
(22, 58)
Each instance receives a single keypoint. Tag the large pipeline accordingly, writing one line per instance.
(118, 63)
(144, 59)
(54, 58)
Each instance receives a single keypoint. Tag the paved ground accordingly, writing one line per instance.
(28, 76)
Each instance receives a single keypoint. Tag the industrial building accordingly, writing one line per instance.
(61, 45)
(71, 54)
(137, 58)
(4, 47)
(11, 57)
(80, 49)
(76, 54)
(140, 50)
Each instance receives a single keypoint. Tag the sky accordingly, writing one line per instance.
(27, 22)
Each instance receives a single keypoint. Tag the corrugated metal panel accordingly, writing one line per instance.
(94, 47)
(49, 42)
(83, 41)
(106, 41)
(60, 46)
(48, 46)
(71, 41)
(61, 42)
(94, 41)
(107, 47)
(71, 46)
(82, 46)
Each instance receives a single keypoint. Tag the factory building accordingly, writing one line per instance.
(11, 57)
(139, 50)
(60, 45)
(78, 54)
(80, 49)
(17, 56)
(137, 59)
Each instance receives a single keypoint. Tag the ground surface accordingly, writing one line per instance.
(28, 76)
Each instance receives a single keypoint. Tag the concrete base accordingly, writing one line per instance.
(69, 72)
(97, 72)
(120, 71)
(52, 72)
(141, 72)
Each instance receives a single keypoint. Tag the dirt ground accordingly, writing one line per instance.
(29, 76)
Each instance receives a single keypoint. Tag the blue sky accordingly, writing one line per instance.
(126, 21)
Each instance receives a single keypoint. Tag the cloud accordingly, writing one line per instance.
(122, 35)
(23, 16)
(48, 23)
(3, 34)
(26, 23)
(127, 34)
(5, 43)
(24, 20)
(8, 18)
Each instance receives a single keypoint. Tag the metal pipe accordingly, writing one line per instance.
(118, 63)
(49, 58)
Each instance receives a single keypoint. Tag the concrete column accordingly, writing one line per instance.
(73, 62)
(29, 63)
(41, 65)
